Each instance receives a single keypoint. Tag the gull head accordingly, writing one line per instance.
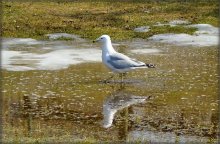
(103, 39)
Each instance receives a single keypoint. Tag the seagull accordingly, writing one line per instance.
(118, 62)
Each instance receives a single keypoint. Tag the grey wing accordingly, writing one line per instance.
(120, 61)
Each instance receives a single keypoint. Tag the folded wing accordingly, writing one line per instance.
(120, 61)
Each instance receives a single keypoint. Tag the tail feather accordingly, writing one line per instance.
(150, 65)
(146, 66)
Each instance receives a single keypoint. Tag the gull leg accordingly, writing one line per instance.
(122, 76)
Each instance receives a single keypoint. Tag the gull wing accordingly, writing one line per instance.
(120, 61)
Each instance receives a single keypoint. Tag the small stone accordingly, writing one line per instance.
(179, 22)
(142, 29)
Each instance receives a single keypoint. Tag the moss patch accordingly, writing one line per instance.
(90, 19)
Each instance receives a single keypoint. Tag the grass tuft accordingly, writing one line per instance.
(90, 19)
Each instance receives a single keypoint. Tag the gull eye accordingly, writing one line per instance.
(101, 38)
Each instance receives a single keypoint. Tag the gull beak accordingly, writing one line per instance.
(95, 40)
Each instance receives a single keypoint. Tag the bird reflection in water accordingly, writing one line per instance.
(119, 100)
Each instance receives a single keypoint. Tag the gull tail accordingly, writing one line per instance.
(150, 65)
(146, 66)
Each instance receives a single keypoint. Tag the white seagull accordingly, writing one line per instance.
(118, 62)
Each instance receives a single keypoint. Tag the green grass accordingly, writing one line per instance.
(90, 19)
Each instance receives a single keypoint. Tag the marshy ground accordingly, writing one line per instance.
(65, 100)
(90, 19)
(67, 104)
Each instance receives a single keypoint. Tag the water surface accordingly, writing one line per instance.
(54, 92)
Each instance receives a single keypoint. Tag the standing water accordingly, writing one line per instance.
(53, 92)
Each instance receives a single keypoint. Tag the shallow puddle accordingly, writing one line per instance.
(54, 92)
